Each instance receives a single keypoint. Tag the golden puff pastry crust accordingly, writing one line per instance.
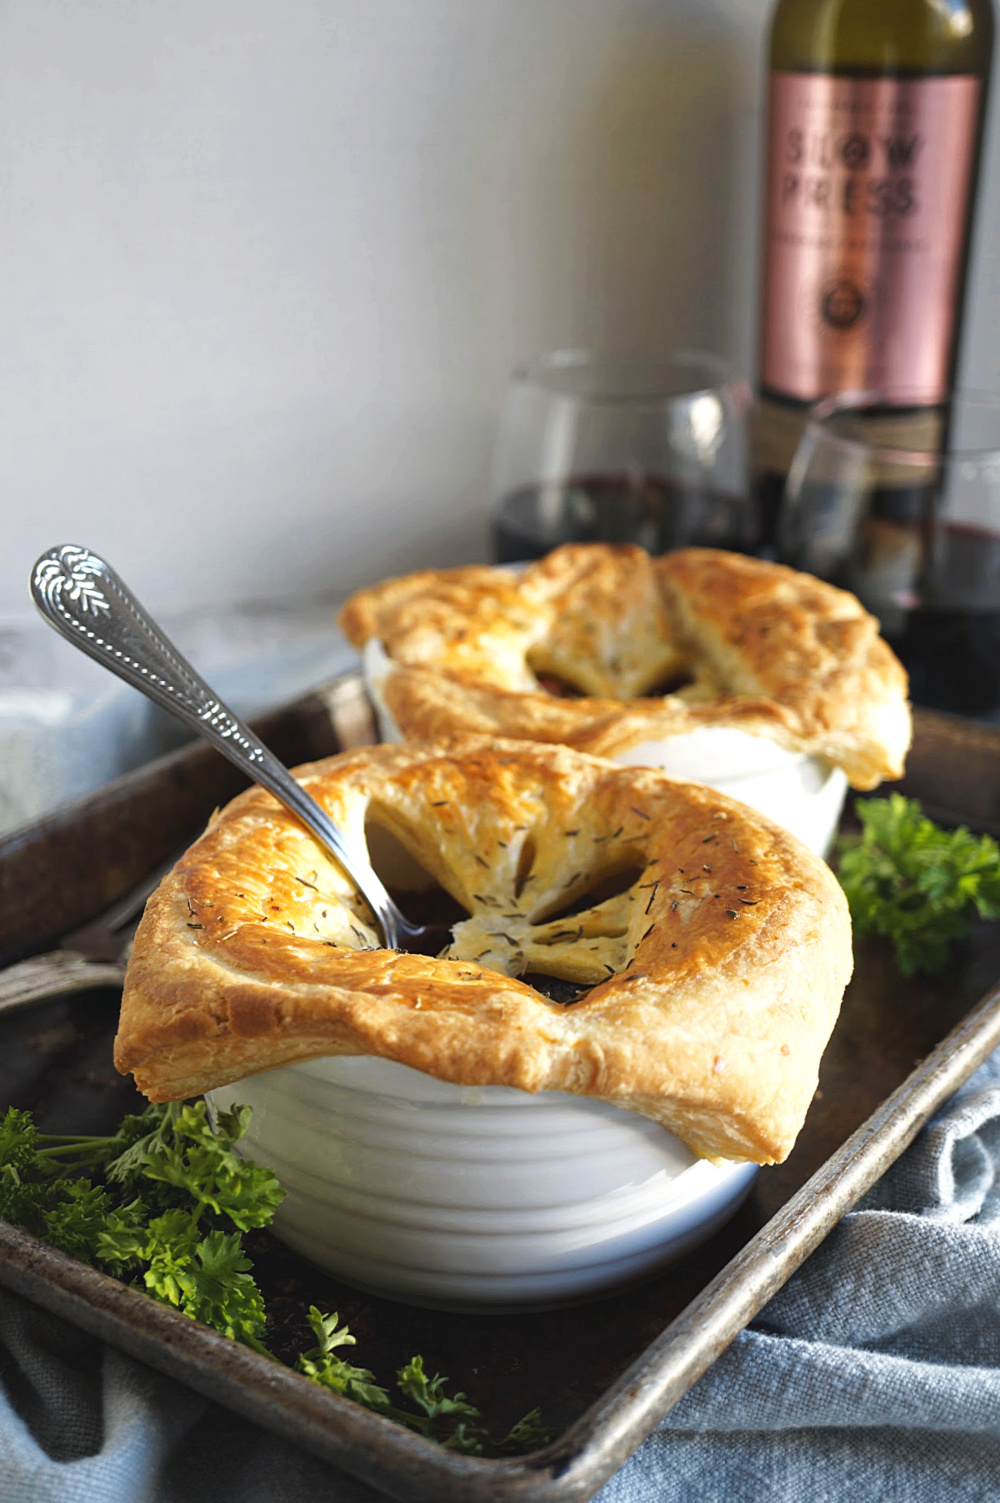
(655, 648)
(711, 947)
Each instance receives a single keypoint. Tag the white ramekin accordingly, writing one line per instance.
(802, 793)
(486, 1198)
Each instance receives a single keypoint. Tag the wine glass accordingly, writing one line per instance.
(613, 448)
(903, 509)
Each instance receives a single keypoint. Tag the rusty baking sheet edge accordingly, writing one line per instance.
(572, 1469)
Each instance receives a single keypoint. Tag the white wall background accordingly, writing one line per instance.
(266, 263)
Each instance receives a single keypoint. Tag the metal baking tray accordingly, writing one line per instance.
(603, 1374)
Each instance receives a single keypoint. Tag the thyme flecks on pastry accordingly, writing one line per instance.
(601, 647)
(712, 948)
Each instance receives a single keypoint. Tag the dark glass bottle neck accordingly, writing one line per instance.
(898, 38)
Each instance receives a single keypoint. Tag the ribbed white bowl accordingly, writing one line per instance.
(474, 1198)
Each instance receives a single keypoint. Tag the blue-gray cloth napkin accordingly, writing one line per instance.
(873, 1375)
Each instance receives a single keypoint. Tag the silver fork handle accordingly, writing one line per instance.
(57, 974)
(87, 602)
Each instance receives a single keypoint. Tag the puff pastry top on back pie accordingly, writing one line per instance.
(653, 648)
(709, 947)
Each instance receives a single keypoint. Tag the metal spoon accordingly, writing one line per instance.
(84, 599)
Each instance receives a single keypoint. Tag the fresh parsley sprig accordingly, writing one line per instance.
(914, 883)
(449, 1419)
(162, 1204)
(164, 1208)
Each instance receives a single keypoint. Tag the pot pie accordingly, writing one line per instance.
(604, 648)
(621, 936)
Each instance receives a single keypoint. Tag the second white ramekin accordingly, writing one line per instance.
(802, 793)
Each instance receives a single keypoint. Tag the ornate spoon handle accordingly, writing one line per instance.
(84, 599)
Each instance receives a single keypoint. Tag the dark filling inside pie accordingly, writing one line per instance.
(598, 887)
(417, 894)
(679, 679)
(555, 988)
(559, 688)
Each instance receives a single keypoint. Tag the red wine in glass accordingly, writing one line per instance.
(935, 587)
(950, 643)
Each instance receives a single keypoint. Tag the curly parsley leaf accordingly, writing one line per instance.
(452, 1421)
(324, 1367)
(915, 884)
(194, 1164)
(18, 1142)
(528, 1434)
(208, 1279)
(75, 1217)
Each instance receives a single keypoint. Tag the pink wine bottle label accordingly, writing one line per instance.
(868, 185)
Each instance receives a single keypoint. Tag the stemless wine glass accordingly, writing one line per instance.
(614, 448)
(903, 508)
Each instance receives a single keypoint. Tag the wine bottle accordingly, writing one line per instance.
(874, 129)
